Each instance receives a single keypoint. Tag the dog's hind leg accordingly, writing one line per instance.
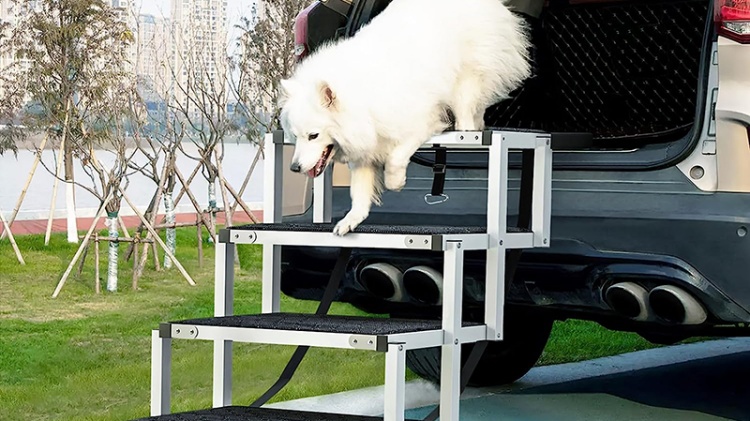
(364, 191)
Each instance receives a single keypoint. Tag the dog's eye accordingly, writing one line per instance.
(312, 136)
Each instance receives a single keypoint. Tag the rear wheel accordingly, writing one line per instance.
(503, 362)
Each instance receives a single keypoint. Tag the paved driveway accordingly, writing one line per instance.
(708, 389)
(693, 382)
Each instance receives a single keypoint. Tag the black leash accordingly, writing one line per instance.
(325, 304)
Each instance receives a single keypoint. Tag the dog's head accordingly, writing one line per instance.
(307, 118)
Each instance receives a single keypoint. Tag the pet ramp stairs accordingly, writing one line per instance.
(392, 337)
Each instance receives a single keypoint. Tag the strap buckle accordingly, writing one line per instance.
(443, 198)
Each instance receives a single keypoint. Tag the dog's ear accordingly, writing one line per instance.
(327, 96)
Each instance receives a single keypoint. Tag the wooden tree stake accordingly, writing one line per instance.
(197, 207)
(12, 239)
(25, 188)
(158, 239)
(122, 225)
(86, 240)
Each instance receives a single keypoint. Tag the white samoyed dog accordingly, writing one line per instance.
(373, 99)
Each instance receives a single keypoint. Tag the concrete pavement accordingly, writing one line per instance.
(703, 381)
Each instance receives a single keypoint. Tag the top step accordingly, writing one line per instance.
(371, 236)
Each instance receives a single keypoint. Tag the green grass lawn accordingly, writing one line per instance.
(83, 356)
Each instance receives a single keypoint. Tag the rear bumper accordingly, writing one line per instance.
(705, 254)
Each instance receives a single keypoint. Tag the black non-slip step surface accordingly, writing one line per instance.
(241, 413)
(320, 323)
(371, 229)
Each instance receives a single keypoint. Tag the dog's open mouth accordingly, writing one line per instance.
(322, 162)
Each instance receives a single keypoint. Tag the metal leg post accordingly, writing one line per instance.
(541, 213)
(161, 374)
(497, 228)
(271, 302)
(395, 383)
(272, 212)
(223, 306)
(323, 196)
(450, 366)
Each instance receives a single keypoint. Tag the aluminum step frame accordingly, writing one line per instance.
(495, 241)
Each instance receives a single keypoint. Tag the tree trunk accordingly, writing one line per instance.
(70, 212)
(113, 251)
(70, 198)
(212, 204)
(171, 232)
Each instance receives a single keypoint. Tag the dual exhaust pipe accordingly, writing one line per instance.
(420, 283)
(667, 302)
(425, 285)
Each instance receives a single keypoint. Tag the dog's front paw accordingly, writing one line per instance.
(342, 228)
(348, 224)
(395, 180)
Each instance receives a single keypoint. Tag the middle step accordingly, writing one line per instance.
(327, 331)
(373, 236)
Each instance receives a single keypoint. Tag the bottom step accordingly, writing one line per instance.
(244, 413)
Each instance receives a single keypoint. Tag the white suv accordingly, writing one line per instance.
(650, 223)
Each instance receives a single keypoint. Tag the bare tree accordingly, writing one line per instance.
(266, 55)
(71, 68)
(106, 133)
(200, 101)
(10, 99)
(69, 53)
(266, 46)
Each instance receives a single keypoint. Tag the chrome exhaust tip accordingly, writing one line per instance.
(383, 280)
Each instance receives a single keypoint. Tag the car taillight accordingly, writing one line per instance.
(300, 33)
(733, 19)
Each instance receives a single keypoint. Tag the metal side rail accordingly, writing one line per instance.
(371, 236)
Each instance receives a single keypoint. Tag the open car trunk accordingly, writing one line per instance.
(627, 72)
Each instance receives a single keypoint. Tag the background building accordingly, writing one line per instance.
(153, 56)
(199, 44)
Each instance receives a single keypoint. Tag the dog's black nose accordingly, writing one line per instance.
(295, 167)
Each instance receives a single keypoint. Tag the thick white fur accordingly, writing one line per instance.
(378, 96)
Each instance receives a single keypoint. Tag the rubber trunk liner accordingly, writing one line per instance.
(617, 70)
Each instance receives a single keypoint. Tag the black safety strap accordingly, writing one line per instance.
(439, 167)
(511, 264)
(438, 170)
(325, 304)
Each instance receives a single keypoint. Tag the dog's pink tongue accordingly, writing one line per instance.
(311, 173)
